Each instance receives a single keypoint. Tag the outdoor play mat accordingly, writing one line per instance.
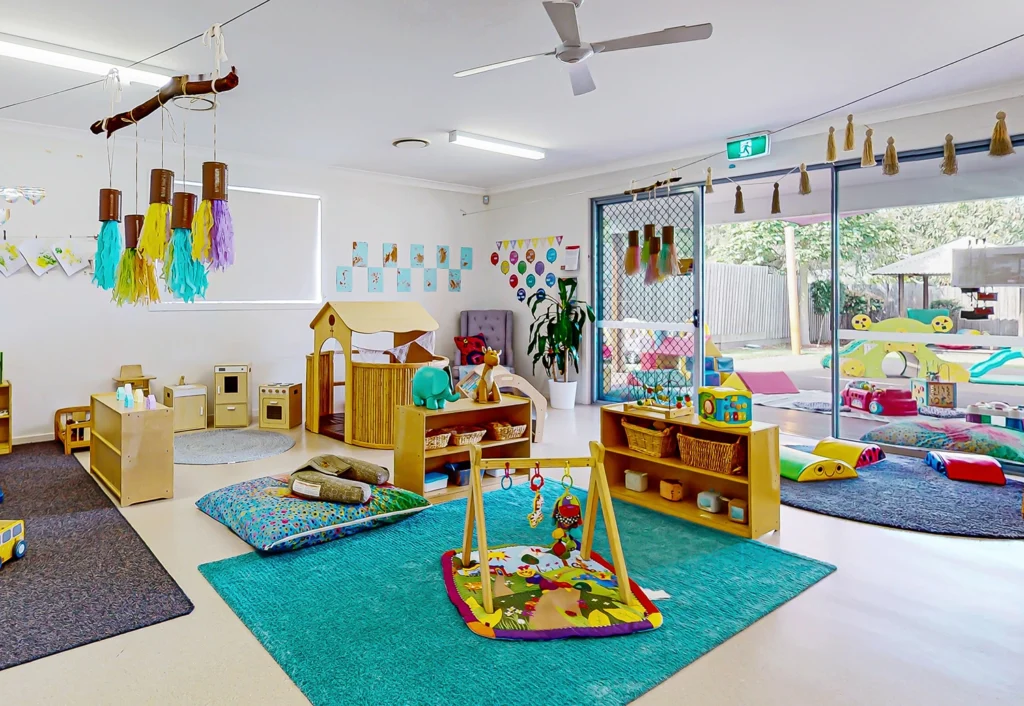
(540, 596)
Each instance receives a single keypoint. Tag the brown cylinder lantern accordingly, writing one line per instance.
(183, 208)
(161, 184)
(633, 239)
(215, 181)
(132, 230)
(649, 231)
(655, 245)
(110, 205)
(668, 234)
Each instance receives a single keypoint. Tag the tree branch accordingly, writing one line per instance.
(175, 88)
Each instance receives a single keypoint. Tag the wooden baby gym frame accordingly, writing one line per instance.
(597, 494)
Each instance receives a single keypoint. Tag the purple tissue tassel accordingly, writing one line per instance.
(222, 236)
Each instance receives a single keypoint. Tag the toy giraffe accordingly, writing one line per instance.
(486, 390)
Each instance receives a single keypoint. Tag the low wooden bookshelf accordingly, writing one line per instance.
(6, 427)
(413, 461)
(758, 485)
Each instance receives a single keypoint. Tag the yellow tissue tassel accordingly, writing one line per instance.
(850, 141)
(738, 208)
(805, 180)
(154, 231)
(830, 150)
(776, 202)
(1001, 144)
(867, 158)
(136, 280)
(891, 161)
(202, 222)
(949, 161)
(709, 188)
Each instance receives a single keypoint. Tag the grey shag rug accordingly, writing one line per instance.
(205, 448)
(905, 493)
(86, 575)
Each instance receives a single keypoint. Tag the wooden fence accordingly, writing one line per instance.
(746, 304)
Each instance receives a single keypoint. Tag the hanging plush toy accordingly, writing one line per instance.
(536, 483)
(108, 243)
(136, 276)
(568, 515)
(185, 275)
(156, 230)
(213, 234)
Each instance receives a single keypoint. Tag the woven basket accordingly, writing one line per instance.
(437, 441)
(504, 432)
(715, 456)
(464, 436)
(650, 442)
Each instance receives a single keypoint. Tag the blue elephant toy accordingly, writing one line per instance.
(432, 388)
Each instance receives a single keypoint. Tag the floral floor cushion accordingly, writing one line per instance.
(264, 514)
(952, 435)
(539, 596)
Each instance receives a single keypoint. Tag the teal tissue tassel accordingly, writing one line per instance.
(187, 276)
(108, 253)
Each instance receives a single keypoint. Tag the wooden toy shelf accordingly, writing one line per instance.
(6, 430)
(413, 461)
(758, 485)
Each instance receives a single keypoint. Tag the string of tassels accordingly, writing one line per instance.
(850, 141)
(709, 187)
(891, 161)
(805, 180)
(1001, 144)
(830, 148)
(867, 157)
(776, 201)
(950, 166)
(738, 207)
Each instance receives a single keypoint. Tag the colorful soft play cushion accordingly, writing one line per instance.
(966, 467)
(538, 596)
(471, 348)
(952, 435)
(265, 515)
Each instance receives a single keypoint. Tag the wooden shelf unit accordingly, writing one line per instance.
(132, 450)
(6, 426)
(759, 485)
(413, 461)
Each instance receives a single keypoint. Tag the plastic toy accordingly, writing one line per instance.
(711, 501)
(982, 413)
(486, 390)
(636, 481)
(536, 516)
(12, 540)
(932, 392)
(724, 407)
(738, 511)
(852, 453)
(966, 467)
(803, 467)
(432, 388)
(863, 395)
(671, 490)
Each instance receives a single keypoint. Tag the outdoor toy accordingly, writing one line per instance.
(853, 453)
(982, 413)
(517, 592)
(932, 392)
(724, 407)
(966, 467)
(12, 540)
(803, 467)
(432, 388)
(863, 395)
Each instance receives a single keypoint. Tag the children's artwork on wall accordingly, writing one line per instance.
(504, 267)
(552, 253)
(72, 255)
(344, 278)
(495, 257)
(538, 267)
(430, 280)
(390, 255)
(360, 254)
(443, 257)
(513, 281)
(571, 259)
(531, 255)
(454, 280)
(416, 257)
(531, 281)
(404, 279)
(10, 259)
(549, 280)
(375, 280)
(521, 294)
(38, 255)
(13, 194)
(466, 260)
(513, 257)
(5, 215)
(522, 267)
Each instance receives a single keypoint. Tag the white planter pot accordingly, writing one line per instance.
(562, 394)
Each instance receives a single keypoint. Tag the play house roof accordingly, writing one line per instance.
(676, 346)
(379, 317)
(935, 262)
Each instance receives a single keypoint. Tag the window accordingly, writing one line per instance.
(6, 537)
(16, 530)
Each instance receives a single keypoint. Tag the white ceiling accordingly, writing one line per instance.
(335, 81)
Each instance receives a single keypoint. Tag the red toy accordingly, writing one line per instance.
(860, 394)
(967, 467)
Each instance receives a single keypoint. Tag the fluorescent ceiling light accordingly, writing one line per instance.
(34, 51)
(489, 67)
(465, 139)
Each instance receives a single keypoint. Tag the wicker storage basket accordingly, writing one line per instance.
(437, 441)
(464, 436)
(504, 432)
(650, 442)
(715, 456)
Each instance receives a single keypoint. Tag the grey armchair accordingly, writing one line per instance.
(496, 327)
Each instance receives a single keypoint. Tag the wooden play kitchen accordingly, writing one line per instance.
(280, 405)
(414, 425)
(189, 405)
(733, 470)
(132, 450)
(231, 395)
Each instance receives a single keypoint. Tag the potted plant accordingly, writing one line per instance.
(556, 335)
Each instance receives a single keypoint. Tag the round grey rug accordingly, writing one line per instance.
(214, 446)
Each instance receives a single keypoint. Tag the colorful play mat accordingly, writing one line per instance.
(539, 596)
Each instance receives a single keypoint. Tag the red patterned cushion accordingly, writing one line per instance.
(471, 348)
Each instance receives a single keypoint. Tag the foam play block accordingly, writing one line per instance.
(966, 467)
(712, 378)
(804, 467)
(766, 383)
(852, 453)
(724, 364)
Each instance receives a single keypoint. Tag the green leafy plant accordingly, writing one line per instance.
(556, 333)
(953, 305)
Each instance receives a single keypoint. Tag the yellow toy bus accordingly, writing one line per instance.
(12, 540)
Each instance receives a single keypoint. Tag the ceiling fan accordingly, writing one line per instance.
(574, 51)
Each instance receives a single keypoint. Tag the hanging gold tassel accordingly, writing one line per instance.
(830, 150)
(949, 163)
(709, 188)
(1001, 144)
(850, 142)
(776, 201)
(867, 158)
(202, 222)
(805, 181)
(739, 201)
(891, 161)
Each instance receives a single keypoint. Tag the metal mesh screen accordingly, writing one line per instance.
(630, 357)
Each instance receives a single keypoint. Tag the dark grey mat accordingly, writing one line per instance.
(905, 493)
(86, 575)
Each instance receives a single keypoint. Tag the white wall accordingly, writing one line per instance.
(63, 339)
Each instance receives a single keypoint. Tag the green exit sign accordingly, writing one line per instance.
(748, 147)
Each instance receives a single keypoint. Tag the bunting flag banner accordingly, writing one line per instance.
(558, 238)
(520, 242)
(497, 244)
(535, 241)
(551, 240)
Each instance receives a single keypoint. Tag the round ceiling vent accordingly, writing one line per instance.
(410, 143)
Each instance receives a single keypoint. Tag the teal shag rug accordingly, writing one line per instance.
(366, 619)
